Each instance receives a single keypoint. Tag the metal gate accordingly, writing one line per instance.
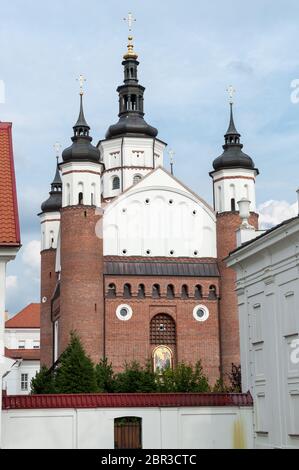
(127, 433)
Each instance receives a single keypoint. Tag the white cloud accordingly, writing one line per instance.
(274, 212)
(31, 255)
(11, 282)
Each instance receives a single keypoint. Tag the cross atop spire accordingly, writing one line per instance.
(81, 81)
(130, 20)
(231, 91)
(57, 147)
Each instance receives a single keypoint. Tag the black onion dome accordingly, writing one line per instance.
(131, 102)
(81, 148)
(54, 202)
(232, 156)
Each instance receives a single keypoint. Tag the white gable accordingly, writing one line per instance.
(159, 216)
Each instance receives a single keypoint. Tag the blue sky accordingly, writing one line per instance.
(189, 53)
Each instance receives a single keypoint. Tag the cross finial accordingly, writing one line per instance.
(231, 91)
(129, 19)
(57, 147)
(171, 156)
(81, 81)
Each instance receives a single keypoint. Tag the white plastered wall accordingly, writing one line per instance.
(159, 217)
(234, 184)
(81, 177)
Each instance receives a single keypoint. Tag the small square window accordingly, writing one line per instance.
(21, 345)
(35, 344)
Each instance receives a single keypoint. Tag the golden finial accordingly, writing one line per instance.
(131, 54)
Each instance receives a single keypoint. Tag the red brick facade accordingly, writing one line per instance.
(81, 285)
(227, 225)
(86, 304)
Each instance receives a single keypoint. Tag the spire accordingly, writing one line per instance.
(81, 121)
(131, 101)
(232, 128)
(54, 202)
(232, 156)
(81, 149)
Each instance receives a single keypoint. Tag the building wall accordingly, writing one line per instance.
(234, 184)
(13, 337)
(81, 285)
(227, 224)
(48, 283)
(162, 428)
(135, 154)
(12, 381)
(268, 302)
(159, 218)
(195, 340)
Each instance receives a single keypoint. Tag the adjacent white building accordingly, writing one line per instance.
(22, 344)
(267, 268)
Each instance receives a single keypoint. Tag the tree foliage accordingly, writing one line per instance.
(75, 372)
(43, 382)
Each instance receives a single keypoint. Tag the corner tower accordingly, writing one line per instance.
(81, 251)
(131, 148)
(50, 226)
(234, 177)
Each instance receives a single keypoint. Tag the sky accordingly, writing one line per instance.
(189, 52)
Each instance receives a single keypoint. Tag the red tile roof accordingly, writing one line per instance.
(25, 354)
(29, 317)
(122, 400)
(9, 218)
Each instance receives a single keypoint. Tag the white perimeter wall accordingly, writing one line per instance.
(162, 428)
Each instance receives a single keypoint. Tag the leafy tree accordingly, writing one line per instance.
(183, 378)
(220, 387)
(135, 378)
(105, 376)
(75, 372)
(235, 378)
(43, 382)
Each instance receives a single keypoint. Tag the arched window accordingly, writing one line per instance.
(68, 194)
(127, 291)
(198, 292)
(111, 290)
(80, 198)
(115, 182)
(184, 294)
(233, 204)
(136, 179)
(156, 291)
(51, 238)
(162, 329)
(141, 291)
(212, 292)
(170, 291)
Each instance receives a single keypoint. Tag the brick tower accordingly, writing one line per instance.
(50, 222)
(233, 179)
(81, 283)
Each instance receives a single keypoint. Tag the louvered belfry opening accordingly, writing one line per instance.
(163, 330)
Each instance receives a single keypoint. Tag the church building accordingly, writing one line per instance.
(131, 258)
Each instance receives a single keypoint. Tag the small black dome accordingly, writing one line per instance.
(131, 125)
(81, 148)
(233, 157)
(53, 203)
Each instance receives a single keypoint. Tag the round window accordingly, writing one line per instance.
(200, 313)
(124, 312)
